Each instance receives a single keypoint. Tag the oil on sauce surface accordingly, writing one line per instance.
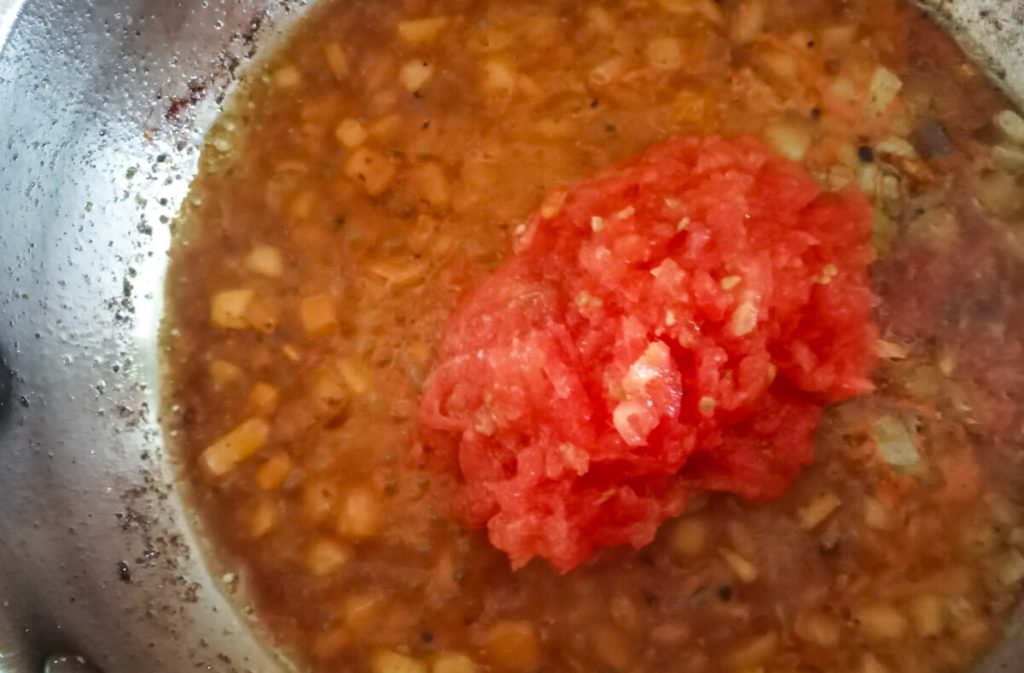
(376, 169)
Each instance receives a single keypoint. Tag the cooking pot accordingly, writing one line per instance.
(103, 107)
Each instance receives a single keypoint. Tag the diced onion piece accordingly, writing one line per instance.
(552, 204)
(325, 556)
(746, 571)
(274, 471)
(896, 146)
(890, 350)
(431, 184)
(337, 61)
(837, 37)
(371, 169)
(301, 206)
(351, 133)
(1010, 568)
(1009, 159)
(360, 514)
(895, 443)
(228, 308)
(223, 372)
(818, 510)
(928, 613)
(385, 127)
(688, 536)
(399, 272)
(755, 651)
(665, 53)
(331, 395)
(415, 74)
(422, 31)
(453, 662)
(499, 76)
(881, 622)
(696, 107)
(319, 314)
(512, 645)
(1011, 125)
(607, 71)
(1000, 193)
(263, 399)
(748, 21)
(876, 515)
(885, 85)
(777, 64)
(705, 8)
(843, 88)
(288, 77)
(818, 628)
(265, 260)
(387, 661)
(357, 375)
(227, 452)
(790, 138)
(262, 519)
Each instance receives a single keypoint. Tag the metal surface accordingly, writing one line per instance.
(102, 106)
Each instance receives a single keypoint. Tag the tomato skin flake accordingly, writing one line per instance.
(686, 341)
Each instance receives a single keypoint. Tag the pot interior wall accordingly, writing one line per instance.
(103, 106)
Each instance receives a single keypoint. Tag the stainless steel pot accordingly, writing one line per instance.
(103, 105)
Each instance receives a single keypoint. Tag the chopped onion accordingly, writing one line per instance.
(748, 21)
(818, 510)
(884, 87)
(896, 443)
(415, 74)
(1000, 193)
(1009, 159)
(1010, 568)
(351, 133)
(1011, 125)
(789, 138)
(746, 571)
(421, 31)
(896, 146)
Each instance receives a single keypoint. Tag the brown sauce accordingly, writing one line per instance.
(376, 167)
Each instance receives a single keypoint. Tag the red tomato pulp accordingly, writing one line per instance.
(674, 324)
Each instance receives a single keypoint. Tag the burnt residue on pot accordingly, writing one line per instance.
(243, 48)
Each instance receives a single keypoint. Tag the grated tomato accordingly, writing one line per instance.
(674, 324)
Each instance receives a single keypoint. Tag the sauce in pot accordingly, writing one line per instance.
(376, 170)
